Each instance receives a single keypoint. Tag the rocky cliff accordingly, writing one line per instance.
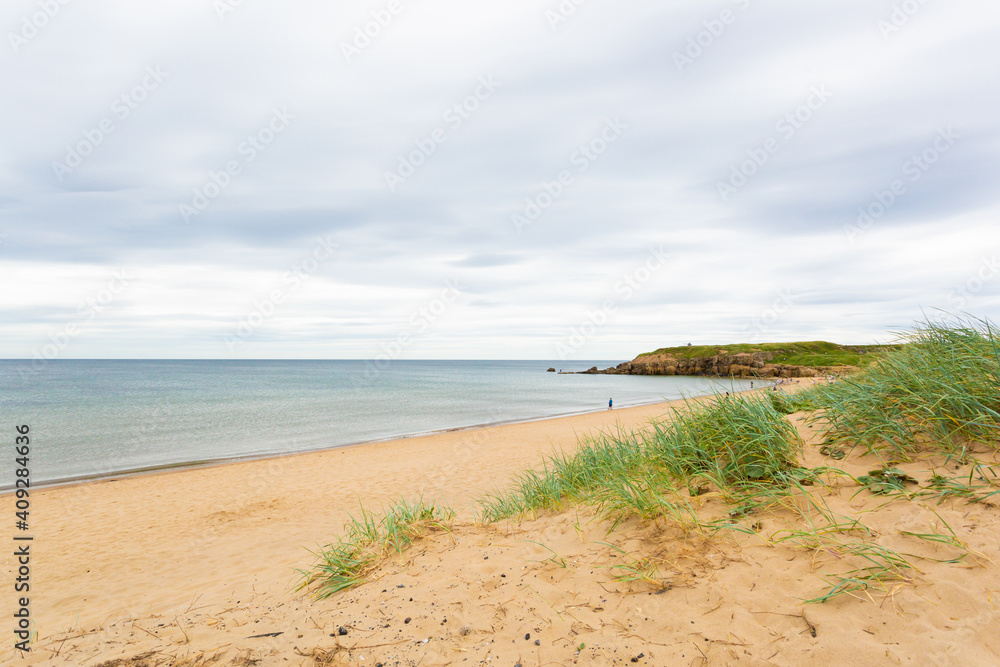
(740, 365)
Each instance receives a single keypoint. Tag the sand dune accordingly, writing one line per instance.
(196, 567)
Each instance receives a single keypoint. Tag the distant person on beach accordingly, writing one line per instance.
(610, 403)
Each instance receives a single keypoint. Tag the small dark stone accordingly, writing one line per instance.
(486, 557)
(407, 619)
(504, 576)
(401, 586)
(342, 631)
(527, 636)
(538, 642)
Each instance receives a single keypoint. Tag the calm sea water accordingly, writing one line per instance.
(96, 418)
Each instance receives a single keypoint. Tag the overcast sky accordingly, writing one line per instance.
(521, 179)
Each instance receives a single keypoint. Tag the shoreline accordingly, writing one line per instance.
(158, 546)
(164, 468)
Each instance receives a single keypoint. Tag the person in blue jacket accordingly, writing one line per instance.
(610, 403)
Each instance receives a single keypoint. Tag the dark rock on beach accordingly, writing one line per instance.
(740, 365)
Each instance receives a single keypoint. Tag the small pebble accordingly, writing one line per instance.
(527, 636)
(342, 631)
(407, 619)
(538, 642)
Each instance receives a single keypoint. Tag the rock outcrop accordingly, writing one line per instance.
(740, 365)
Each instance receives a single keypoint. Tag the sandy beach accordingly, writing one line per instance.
(151, 544)
(499, 334)
(198, 567)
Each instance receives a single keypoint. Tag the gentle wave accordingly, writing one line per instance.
(99, 418)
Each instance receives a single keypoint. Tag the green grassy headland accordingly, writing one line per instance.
(812, 354)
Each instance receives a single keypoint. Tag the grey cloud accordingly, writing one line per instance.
(656, 185)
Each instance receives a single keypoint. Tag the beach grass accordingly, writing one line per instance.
(368, 539)
(737, 445)
(937, 391)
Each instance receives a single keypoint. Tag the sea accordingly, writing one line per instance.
(92, 419)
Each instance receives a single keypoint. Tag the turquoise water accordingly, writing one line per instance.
(97, 418)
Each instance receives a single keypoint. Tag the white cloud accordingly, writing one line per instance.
(654, 186)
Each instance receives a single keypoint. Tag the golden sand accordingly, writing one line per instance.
(191, 567)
